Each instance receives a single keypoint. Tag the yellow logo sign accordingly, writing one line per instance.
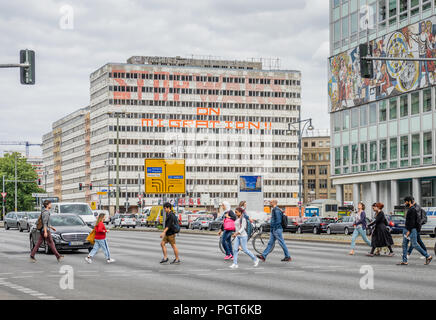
(165, 176)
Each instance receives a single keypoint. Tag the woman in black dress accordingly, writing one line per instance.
(381, 237)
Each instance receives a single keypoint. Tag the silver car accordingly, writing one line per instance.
(11, 220)
(28, 220)
(344, 225)
(429, 228)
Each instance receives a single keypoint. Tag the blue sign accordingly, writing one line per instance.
(250, 184)
(175, 177)
(154, 170)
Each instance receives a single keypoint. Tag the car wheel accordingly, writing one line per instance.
(6, 226)
(19, 228)
(134, 227)
(299, 231)
(32, 245)
(329, 231)
(315, 230)
(346, 231)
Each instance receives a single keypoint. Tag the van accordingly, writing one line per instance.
(82, 209)
(153, 215)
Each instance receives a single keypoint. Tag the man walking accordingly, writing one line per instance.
(169, 234)
(420, 224)
(276, 233)
(45, 234)
(410, 233)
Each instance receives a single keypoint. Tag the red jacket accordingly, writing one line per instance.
(100, 231)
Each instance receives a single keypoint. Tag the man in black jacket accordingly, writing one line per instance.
(413, 204)
(410, 233)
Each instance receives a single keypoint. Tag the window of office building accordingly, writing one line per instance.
(363, 116)
(372, 113)
(323, 184)
(311, 170)
(404, 106)
(393, 153)
(382, 111)
(363, 153)
(403, 9)
(337, 157)
(323, 170)
(414, 7)
(373, 155)
(337, 121)
(428, 190)
(382, 13)
(393, 109)
(355, 118)
(426, 100)
(415, 103)
(416, 149)
(383, 154)
(346, 158)
(404, 151)
(428, 147)
(346, 120)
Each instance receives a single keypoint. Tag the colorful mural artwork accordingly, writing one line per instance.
(346, 87)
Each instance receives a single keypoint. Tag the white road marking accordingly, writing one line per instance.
(26, 290)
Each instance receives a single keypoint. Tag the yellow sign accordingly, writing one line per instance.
(93, 205)
(165, 176)
(101, 193)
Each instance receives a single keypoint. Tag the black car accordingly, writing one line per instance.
(291, 227)
(71, 233)
(215, 224)
(315, 225)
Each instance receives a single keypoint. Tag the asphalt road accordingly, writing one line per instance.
(318, 271)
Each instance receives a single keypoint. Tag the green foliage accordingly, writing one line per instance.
(25, 171)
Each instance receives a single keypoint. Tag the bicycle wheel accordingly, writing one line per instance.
(260, 242)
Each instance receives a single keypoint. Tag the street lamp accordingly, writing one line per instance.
(300, 133)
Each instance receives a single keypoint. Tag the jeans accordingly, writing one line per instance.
(48, 242)
(243, 242)
(100, 244)
(414, 239)
(276, 234)
(418, 238)
(227, 242)
(362, 232)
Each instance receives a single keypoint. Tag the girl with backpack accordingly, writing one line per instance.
(227, 229)
(100, 240)
(241, 237)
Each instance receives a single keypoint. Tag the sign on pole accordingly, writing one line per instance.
(165, 176)
(4, 194)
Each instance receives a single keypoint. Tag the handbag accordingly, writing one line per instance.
(229, 224)
(91, 237)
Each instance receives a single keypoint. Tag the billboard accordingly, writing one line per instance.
(164, 176)
(250, 189)
(347, 89)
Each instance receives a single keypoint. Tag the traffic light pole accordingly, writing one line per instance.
(3, 199)
(15, 65)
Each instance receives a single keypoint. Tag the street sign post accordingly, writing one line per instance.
(165, 176)
(4, 194)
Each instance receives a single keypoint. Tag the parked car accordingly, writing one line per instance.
(291, 227)
(71, 233)
(125, 220)
(153, 215)
(216, 224)
(184, 220)
(83, 210)
(28, 220)
(114, 217)
(11, 220)
(429, 228)
(315, 225)
(396, 223)
(107, 217)
(141, 220)
(201, 223)
(345, 226)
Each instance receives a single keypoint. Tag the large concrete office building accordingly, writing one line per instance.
(383, 129)
(225, 118)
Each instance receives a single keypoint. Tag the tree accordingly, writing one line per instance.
(25, 171)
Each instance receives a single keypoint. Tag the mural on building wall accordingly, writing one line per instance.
(347, 88)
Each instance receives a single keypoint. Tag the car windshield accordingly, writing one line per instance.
(398, 219)
(33, 215)
(80, 209)
(58, 221)
(329, 220)
(128, 216)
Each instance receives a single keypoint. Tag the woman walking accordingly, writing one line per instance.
(227, 229)
(241, 238)
(100, 240)
(381, 236)
(359, 227)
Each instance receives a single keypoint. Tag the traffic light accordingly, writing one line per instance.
(27, 74)
(139, 204)
(80, 186)
(90, 186)
(366, 66)
(39, 181)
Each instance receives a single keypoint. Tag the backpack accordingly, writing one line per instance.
(39, 223)
(249, 228)
(284, 221)
(421, 215)
(175, 227)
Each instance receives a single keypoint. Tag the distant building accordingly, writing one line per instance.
(316, 168)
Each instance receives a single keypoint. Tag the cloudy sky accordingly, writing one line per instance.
(295, 31)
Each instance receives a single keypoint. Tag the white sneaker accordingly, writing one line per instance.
(408, 256)
(256, 263)
(89, 260)
(234, 266)
(110, 260)
(422, 258)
